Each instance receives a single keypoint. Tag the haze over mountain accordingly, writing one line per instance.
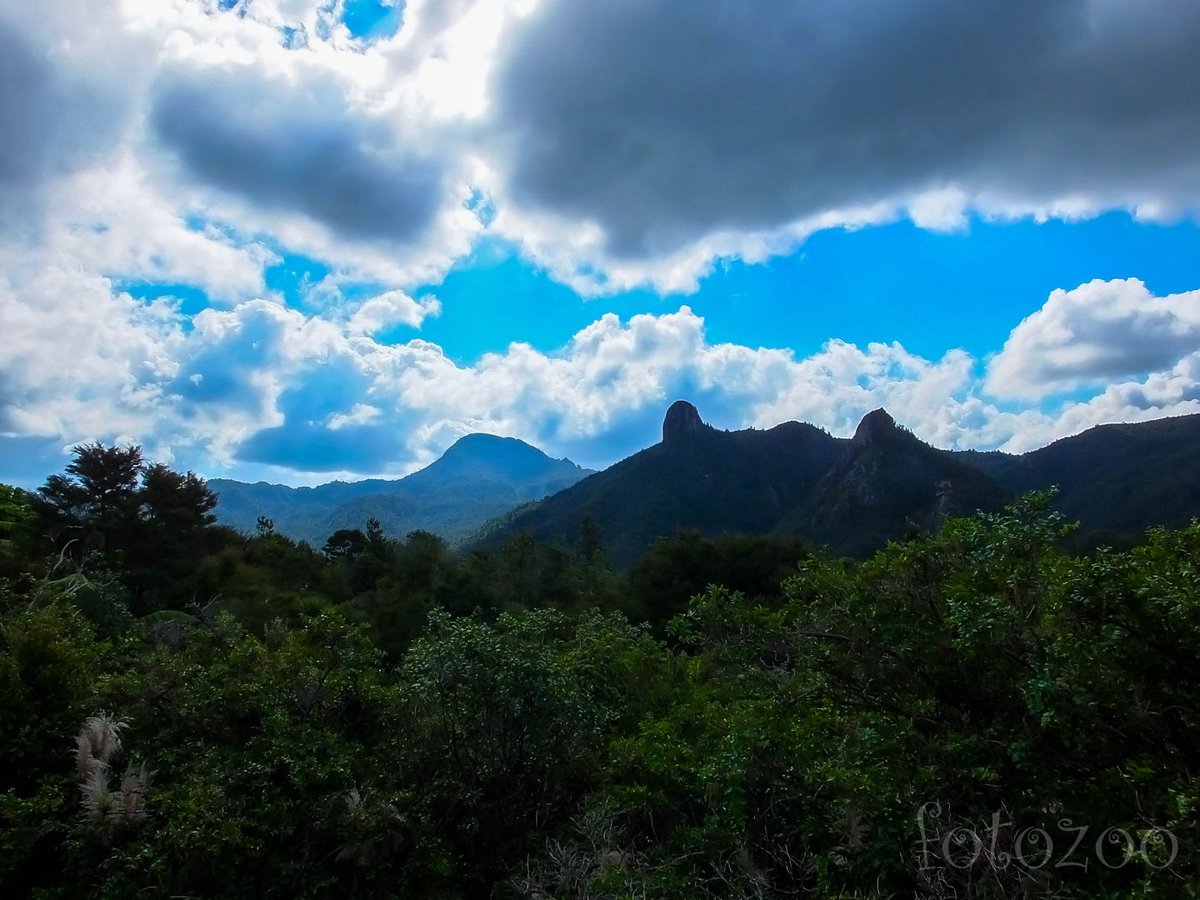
(479, 477)
(854, 495)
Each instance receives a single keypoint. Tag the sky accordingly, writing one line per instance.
(307, 240)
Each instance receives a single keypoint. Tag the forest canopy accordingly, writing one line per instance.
(190, 711)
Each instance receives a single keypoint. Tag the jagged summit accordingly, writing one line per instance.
(681, 420)
(854, 495)
(875, 427)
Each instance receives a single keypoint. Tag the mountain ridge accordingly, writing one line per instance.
(793, 480)
(478, 477)
(853, 495)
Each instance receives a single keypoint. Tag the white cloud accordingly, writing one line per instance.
(360, 414)
(262, 388)
(393, 308)
(944, 209)
(78, 357)
(1097, 333)
(615, 152)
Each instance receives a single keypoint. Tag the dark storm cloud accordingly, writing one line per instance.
(26, 117)
(663, 120)
(296, 150)
(52, 120)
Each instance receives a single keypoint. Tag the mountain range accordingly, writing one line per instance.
(853, 495)
(850, 495)
(481, 476)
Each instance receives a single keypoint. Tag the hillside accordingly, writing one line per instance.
(697, 478)
(479, 477)
(1116, 480)
(853, 496)
(886, 482)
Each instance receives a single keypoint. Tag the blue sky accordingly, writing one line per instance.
(300, 240)
(971, 287)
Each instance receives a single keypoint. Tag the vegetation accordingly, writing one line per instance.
(189, 711)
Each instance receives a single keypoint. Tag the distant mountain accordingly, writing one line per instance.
(854, 495)
(481, 476)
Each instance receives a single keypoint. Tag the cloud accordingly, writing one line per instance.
(172, 144)
(262, 390)
(296, 150)
(61, 109)
(619, 144)
(393, 308)
(1095, 334)
(25, 88)
(663, 126)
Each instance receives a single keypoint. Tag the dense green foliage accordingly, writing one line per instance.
(254, 717)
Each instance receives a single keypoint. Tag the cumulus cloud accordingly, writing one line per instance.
(393, 308)
(79, 357)
(24, 89)
(617, 144)
(63, 106)
(263, 388)
(1098, 333)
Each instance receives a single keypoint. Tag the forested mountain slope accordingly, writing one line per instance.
(852, 496)
(696, 478)
(886, 482)
(1116, 480)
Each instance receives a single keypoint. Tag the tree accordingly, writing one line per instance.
(345, 543)
(147, 519)
(376, 540)
(95, 498)
(17, 519)
(178, 503)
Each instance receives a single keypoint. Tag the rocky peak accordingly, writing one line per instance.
(681, 420)
(876, 427)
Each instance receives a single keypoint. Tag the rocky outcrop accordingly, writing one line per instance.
(681, 422)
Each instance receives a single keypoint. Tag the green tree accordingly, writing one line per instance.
(146, 520)
(345, 543)
(18, 524)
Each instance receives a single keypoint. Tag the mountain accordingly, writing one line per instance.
(854, 495)
(481, 476)
(887, 481)
(1116, 480)
(696, 478)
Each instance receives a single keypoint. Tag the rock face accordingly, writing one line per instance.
(681, 421)
(876, 427)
